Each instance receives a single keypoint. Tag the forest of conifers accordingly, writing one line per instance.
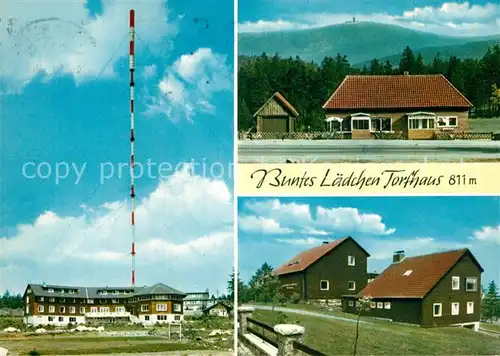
(308, 85)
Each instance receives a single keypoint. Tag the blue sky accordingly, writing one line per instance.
(471, 18)
(65, 90)
(277, 229)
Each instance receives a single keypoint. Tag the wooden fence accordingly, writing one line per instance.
(268, 334)
(463, 136)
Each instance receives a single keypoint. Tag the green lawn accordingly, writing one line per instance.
(491, 327)
(334, 337)
(195, 337)
(484, 125)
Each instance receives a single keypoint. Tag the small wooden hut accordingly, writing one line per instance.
(277, 115)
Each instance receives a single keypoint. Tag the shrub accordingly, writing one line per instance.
(34, 352)
(295, 298)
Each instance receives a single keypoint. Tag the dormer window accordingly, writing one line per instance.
(50, 290)
(351, 261)
(116, 292)
(455, 283)
(407, 273)
(104, 292)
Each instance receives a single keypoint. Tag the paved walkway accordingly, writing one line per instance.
(305, 312)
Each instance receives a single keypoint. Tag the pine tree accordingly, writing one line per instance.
(407, 63)
(490, 302)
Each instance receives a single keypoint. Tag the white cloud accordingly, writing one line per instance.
(351, 219)
(47, 38)
(149, 71)
(298, 218)
(185, 223)
(305, 241)
(451, 18)
(259, 224)
(489, 234)
(188, 86)
(299, 213)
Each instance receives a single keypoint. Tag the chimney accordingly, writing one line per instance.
(325, 242)
(406, 72)
(398, 256)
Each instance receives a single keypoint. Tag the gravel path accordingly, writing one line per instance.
(306, 312)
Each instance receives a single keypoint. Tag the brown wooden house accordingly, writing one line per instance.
(417, 106)
(62, 305)
(325, 272)
(277, 115)
(438, 289)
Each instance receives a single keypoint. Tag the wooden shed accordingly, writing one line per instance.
(276, 115)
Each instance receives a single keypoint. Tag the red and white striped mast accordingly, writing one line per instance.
(132, 139)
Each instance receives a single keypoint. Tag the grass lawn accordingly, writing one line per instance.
(81, 344)
(335, 337)
(484, 125)
(490, 326)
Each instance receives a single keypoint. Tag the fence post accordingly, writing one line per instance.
(243, 314)
(287, 334)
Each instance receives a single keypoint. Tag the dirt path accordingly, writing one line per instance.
(306, 312)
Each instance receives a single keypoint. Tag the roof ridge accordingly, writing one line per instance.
(438, 253)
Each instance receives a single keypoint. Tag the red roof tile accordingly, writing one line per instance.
(282, 99)
(426, 272)
(306, 258)
(396, 92)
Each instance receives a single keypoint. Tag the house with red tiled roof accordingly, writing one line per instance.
(439, 289)
(277, 115)
(416, 106)
(325, 272)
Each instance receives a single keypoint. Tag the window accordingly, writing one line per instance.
(62, 300)
(447, 121)
(51, 319)
(42, 299)
(72, 310)
(373, 305)
(40, 308)
(72, 319)
(351, 285)
(161, 307)
(455, 308)
(421, 122)
(116, 292)
(61, 319)
(71, 291)
(471, 284)
(94, 309)
(50, 290)
(351, 303)
(324, 285)
(380, 305)
(104, 309)
(144, 308)
(82, 310)
(360, 123)
(177, 317)
(407, 273)
(381, 124)
(62, 310)
(104, 292)
(387, 305)
(470, 307)
(370, 280)
(120, 309)
(115, 301)
(437, 309)
(351, 261)
(52, 309)
(90, 301)
(177, 308)
(52, 300)
(161, 317)
(455, 283)
(146, 317)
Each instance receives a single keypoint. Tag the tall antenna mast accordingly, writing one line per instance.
(132, 139)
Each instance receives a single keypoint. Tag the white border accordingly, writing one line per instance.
(235, 160)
